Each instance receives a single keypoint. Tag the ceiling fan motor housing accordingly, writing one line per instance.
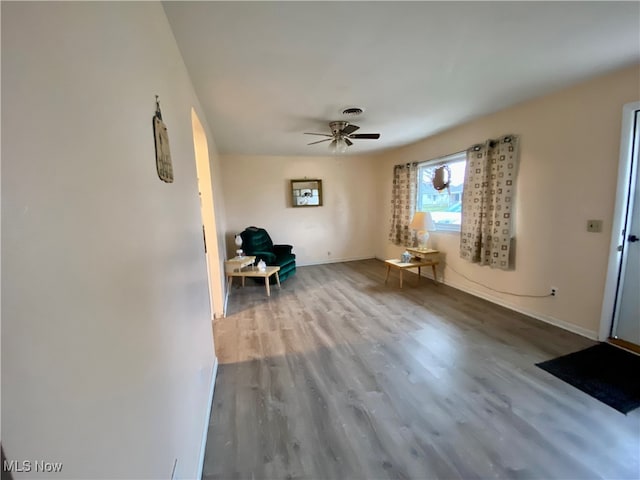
(336, 127)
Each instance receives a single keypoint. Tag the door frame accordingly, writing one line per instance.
(208, 212)
(627, 173)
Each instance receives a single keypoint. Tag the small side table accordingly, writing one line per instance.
(423, 253)
(236, 264)
(255, 273)
(240, 267)
(423, 258)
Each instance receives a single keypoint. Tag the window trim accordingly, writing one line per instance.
(445, 159)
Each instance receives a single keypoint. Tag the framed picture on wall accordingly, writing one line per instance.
(306, 193)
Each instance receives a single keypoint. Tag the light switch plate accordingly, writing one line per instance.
(594, 226)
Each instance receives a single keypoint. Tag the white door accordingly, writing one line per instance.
(626, 323)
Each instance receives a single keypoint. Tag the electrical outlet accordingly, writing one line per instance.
(594, 226)
(554, 291)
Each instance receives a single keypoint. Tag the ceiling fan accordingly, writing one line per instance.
(341, 135)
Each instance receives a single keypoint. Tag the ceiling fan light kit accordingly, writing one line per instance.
(338, 146)
(341, 135)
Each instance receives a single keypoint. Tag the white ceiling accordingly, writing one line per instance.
(266, 72)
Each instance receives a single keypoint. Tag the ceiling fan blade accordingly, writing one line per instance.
(321, 134)
(320, 141)
(347, 141)
(349, 129)
(373, 136)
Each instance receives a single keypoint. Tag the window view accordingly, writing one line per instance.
(445, 205)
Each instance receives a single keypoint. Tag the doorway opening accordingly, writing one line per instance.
(207, 209)
(620, 320)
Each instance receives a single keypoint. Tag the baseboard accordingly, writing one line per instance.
(336, 260)
(203, 447)
(543, 318)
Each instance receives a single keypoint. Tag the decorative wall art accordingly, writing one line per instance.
(163, 154)
(441, 177)
(306, 193)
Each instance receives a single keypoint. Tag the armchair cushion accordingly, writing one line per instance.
(282, 249)
(256, 241)
(268, 257)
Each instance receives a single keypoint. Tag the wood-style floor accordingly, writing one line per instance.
(339, 376)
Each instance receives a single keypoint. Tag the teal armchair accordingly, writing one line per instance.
(256, 241)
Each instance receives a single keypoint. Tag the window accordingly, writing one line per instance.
(445, 205)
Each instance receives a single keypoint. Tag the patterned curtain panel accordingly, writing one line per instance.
(487, 202)
(403, 203)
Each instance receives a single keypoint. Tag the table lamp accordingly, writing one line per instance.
(238, 241)
(423, 224)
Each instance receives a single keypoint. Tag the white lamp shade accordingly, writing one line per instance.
(422, 221)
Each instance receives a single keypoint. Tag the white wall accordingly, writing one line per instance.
(107, 351)
(569, 157)
(257, 192)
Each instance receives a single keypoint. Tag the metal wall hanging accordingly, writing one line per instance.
(441, 177)
(163, 154)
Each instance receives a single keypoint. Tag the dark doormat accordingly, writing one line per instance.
(607, 373)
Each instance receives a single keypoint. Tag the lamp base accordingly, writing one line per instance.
(423, 239)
